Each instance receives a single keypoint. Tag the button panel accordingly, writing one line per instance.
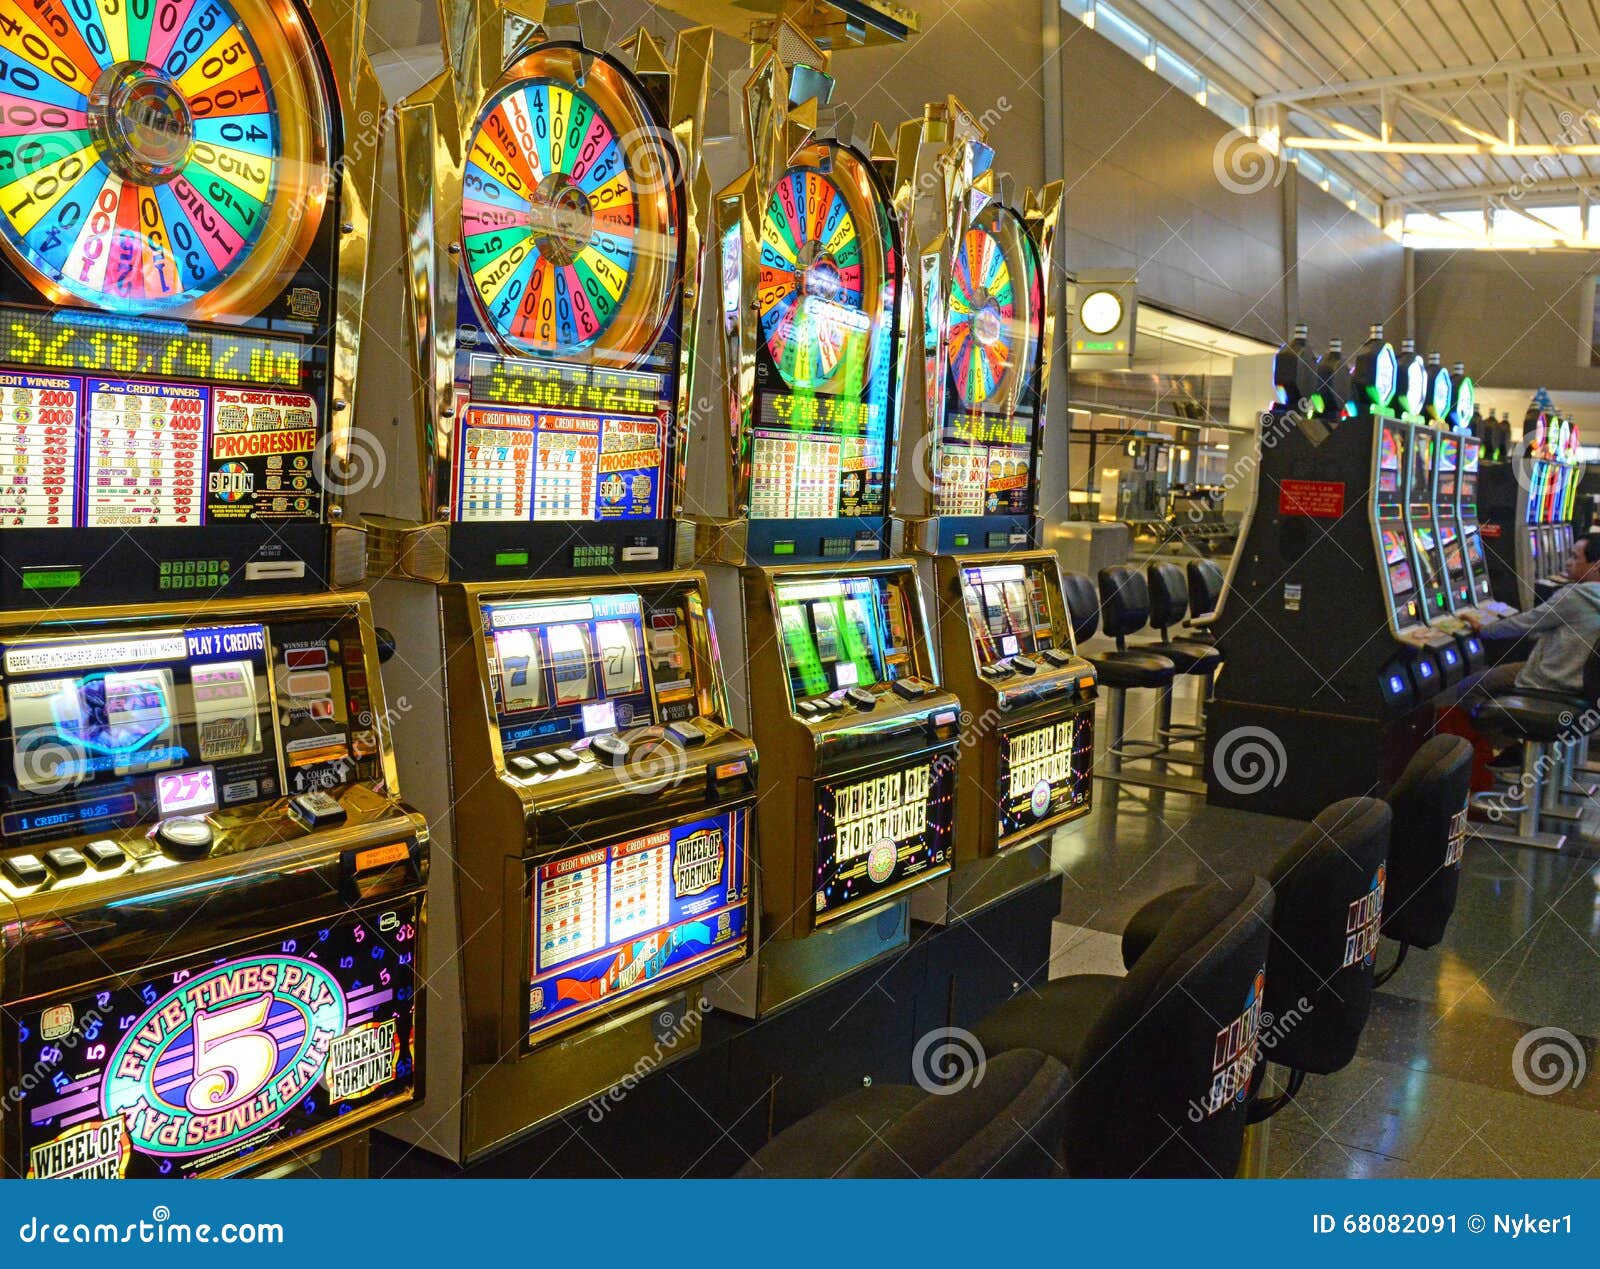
(105, 854)
(611, 749)
(316, 809)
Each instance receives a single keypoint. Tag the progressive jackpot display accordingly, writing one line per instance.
(568, 333)
(170, 224)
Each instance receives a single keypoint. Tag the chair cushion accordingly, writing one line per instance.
(1124, 601)
(1149, 921)
(1132, 669)
(1083, 605)
(1531, 717)
(1205, 587)
(1169, 594)
(1429, 802)
(1190, 656)
(1005, 1123)
(1053, 1018)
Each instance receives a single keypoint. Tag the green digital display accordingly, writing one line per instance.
(511, 559)
(72, 341)
(51, 578)
(511, 381)
(783, 548)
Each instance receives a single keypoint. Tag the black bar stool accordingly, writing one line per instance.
(1554, 730)
(1328, 888)
(1169, 605)
(1006, 1123)
(1120, 671)
(1430, 802)
(1162, 1060)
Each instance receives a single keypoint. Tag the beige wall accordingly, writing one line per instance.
(1515, 317)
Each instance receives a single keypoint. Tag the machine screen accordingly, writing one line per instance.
(1391, 445)
(175, 1073)
(569, 668)
(118, 730)
(1419, 487)
(843, 632)
(625, 918)
(1008, 610)
(1449, 449)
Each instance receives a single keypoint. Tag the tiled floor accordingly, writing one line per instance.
(1434, 1090)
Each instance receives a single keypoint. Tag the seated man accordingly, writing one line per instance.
(1567, 625)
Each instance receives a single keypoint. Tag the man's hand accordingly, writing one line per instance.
(1475, 621)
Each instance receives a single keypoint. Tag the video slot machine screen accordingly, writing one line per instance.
(1449, 462)
(1397, 571)
(1008, 610)
(194, 1068)
(568, 335)
(121, 730)
(564, 670)
(1541, 474)
(167, 290)
(825, 345)
(993, 326)
(624, 919)
(844, 632)
(1391, 460)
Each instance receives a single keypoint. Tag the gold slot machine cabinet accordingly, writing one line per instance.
(211, 896)
(832, 663)
(573, 746)
(968, 497)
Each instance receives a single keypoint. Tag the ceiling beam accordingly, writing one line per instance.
(1477, 76)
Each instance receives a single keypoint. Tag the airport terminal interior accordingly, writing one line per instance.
(799, 588)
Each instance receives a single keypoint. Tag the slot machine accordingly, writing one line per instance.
(1477, 556)
(967, 496)
(1538, 567)
(1327, 556)
(835, 667)
(1430, 517)
(570, 737)
(212, 897)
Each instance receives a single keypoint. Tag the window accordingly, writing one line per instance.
(1121, 32)
(1179, 73)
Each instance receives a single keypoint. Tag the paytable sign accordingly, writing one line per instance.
(39, 439)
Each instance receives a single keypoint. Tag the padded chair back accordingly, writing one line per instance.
(1591, 675)
(1429, 802)
(1162, 1081)
(1002, 1125)
(1169, 596)
(1205, 587)
(1124, 601)
(1083, 605)
(1328, 890)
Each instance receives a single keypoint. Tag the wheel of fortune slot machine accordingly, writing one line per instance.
(833, 667)
(212, 896)
(968, 494)
(600, 859)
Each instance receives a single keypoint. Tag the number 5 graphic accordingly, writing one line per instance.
(233, 1056)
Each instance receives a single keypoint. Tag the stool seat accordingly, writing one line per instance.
(1190, 656)
(1132, 669)
(1533, 717)
(1005, 1123)
(1055, 1018)
(1150, 920)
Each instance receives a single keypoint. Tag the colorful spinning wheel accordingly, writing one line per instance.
(159, 154)
(565, 186)
(981, 313)
(812, 286)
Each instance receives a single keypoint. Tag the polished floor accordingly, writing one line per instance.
(1440, 1086)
